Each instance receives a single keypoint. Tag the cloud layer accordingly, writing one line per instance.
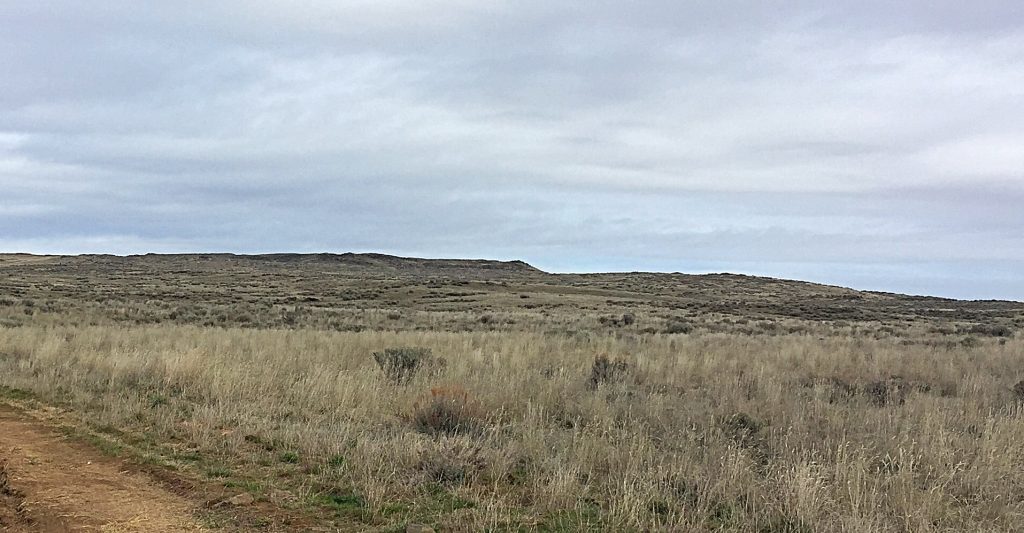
(859, 143)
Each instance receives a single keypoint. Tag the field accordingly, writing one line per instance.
(367, 392)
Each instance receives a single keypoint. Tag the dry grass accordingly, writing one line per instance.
(697, 432)
(474, 396)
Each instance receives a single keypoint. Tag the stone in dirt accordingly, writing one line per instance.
(242, 499)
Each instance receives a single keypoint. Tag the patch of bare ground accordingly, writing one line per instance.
(50, 482)
(52, 485)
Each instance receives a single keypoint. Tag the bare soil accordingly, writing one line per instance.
(50, 484)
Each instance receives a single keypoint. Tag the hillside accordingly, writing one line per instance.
(342, 291)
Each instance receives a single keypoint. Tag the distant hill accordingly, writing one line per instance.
(153, 287)
(402, 264)
(365, 262)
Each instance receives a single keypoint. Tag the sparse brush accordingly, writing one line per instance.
(627, 319)
(604, 370)
(451, 462)
(990, 330)
(710, 431)
(885, 392)
(401, 364)
(675, 327)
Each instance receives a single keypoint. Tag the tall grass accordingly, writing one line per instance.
(720, 432)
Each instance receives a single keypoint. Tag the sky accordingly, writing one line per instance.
(871, 144)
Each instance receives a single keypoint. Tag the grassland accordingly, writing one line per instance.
(553, 403)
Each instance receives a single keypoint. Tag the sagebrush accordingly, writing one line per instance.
(691, 433)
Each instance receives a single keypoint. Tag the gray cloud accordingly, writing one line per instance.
(860, 143)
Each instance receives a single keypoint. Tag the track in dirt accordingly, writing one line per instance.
(49, 484)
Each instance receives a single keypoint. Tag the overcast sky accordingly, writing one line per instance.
(872, 144)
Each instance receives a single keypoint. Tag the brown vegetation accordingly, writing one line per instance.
(544, 418)
(722, 431)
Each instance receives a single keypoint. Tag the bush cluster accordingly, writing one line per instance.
(400, 364)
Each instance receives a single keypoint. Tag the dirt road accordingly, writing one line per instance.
(49, 484)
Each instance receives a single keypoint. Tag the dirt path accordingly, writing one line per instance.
(49, 484)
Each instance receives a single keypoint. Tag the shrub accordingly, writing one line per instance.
(1018, 391)
(605, 370)
(990, 330)
(676, 327)
(627, 319)
(741, 426)
(970, 341)
(452, 463)
(746, 432)
(893, 390)
(836, 390)
(400, 364)
(448, 411)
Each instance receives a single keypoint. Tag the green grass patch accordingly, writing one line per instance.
(217, 472)
(344, 504)
(11, 393)
(336, 461)
(394, 509)
(190, 456)
(586, 517)
(153, 459)
(103, 444)
(250, 486)
(256, 440)
(444, 501)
